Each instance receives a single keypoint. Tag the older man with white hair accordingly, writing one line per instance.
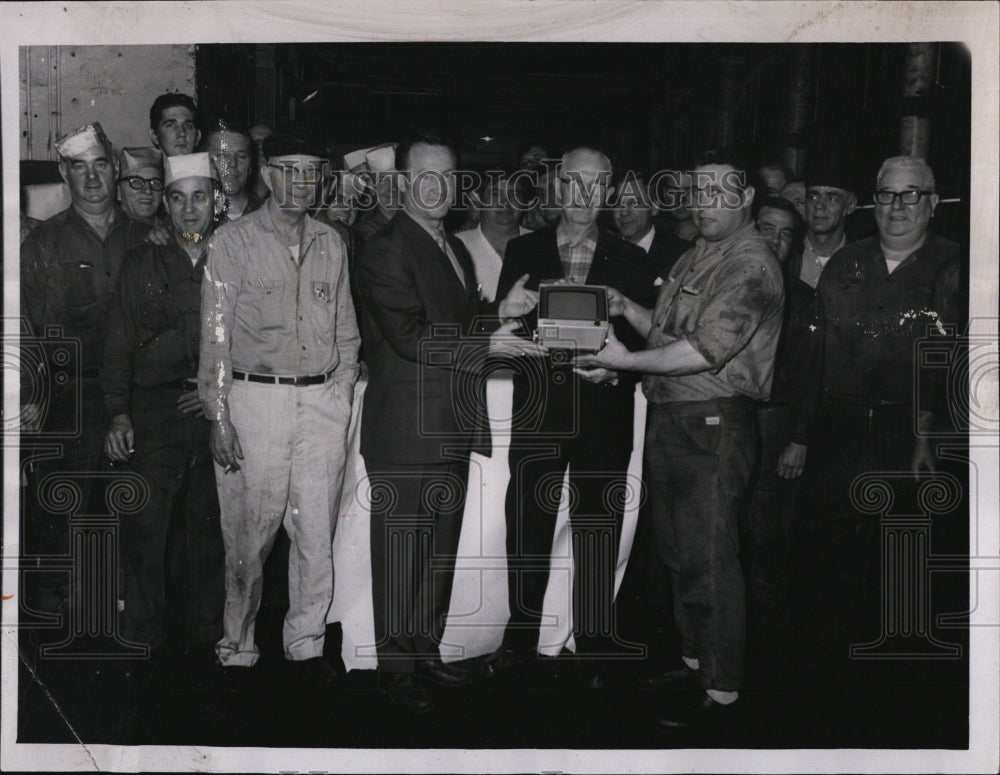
(880, 297)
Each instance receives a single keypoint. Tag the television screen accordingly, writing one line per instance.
(572, 304)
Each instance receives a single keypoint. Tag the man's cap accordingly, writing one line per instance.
(382, 158)
(187, 165)
(831, 170)
(357, 161)
(276, 146)
(140, 161)
(81, 140)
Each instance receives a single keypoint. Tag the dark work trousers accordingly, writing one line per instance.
(416, 521)
(700, 456)
(770, 514)
(172, 455)
(597, 455)
(60, 487)
(840, 542)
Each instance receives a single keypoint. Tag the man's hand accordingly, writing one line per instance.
(503, 342)
(616, 303)
(189, 403)
(614, 355)
(158, 236)
(792, 461)
(225, 445)
(119, 442)
(598, 376)
(520, 301)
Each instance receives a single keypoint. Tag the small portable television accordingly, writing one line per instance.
(572, 317)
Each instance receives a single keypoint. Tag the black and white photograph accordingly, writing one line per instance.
(548, 386)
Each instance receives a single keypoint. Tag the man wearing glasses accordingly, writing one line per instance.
(563, 421)
(140, 183)
(276, 377)
(880, 296)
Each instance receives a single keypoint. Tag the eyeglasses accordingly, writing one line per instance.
(909, 197)
(138, 184)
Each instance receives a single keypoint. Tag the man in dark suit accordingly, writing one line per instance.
(561, 420)
(422, 410)
(634, 212)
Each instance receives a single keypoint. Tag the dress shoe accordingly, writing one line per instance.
(405, 692)
(447, 675)
(705, 711)
(590, 675)
(674, 676)
(503, 663)
(317, 672)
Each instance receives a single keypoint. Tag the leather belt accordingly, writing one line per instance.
(860, 400)
(271, 379)
(703, 408)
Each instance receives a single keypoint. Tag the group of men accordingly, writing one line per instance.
(219, 349)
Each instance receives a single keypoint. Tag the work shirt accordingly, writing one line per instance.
(154, 321)
(67, 276)
(874, 319)
(726, 299)
(264, 313)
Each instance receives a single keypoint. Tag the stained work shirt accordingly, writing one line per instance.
(874, 319)
(726, 299)
(154, 323)
(264, 313)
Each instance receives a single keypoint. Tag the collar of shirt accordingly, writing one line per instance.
(809, 252)
(588, 239)
(436, 233)
(310, 229)
(647, 241)
(120, 219)
(744, 234)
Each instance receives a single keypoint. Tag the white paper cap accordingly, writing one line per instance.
(356, 161)
(382, 158)
(81, 140)
(188, 165)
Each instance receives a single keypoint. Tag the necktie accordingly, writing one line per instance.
(443, 244)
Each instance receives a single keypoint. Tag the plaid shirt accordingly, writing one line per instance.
(576, 258)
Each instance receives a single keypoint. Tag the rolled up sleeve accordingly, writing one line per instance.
(219, 292)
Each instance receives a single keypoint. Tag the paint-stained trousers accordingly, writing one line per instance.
(699, 456)
(294, 444)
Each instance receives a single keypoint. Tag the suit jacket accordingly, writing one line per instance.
(665, 250)
(589, 415)
(425, 400)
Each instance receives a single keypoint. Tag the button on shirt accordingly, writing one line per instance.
(263, 313)
(576, 256)
(154, 323)
(726, 299)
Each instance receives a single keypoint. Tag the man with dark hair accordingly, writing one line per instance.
(423, 408)
(173, 124)
(635, 210)
(563, 422)
(151, 394)
(69, 267)
(710, 345)
(785, 422)
(772, 176)
(234, 157)
(276, 376)
(829, 201)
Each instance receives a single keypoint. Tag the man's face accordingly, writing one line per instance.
(500, 210)
(583, 187)
(899, 223)
(720, 206)
(774, 179)
(141, 203)
(796, 194)
(295, 181)
(430, 189)
(778, 229)
(633, 215)
(827, 208)
(90, 177)
(678, 197)
(176, 133)
(230, 155)
(191, 205)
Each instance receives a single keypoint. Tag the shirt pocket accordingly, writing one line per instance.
(264, 305)
(73, 284)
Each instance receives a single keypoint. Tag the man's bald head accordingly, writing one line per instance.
(584, 185)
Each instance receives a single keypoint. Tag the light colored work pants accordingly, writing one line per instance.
(294, 442)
